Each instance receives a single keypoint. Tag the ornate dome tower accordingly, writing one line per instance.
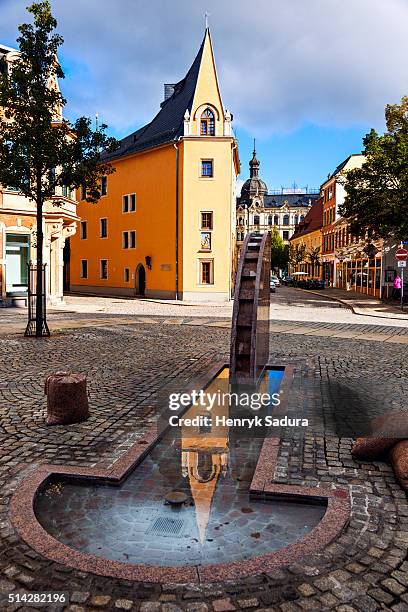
(254, 186)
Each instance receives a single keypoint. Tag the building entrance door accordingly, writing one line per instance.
(140, 280)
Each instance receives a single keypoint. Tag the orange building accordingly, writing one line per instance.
(334, 194)
(165, 224)
(308, 234)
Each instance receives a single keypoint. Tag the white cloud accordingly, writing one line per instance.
(281, 63)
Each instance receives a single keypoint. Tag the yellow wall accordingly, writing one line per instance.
(151, 175)
(216, 194)
(207, 194)
(311, 240)
(207, 92)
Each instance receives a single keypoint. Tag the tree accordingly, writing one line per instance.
(314, 258)
(39, 149)
(377, 193)
(279, 251)
(297, 253)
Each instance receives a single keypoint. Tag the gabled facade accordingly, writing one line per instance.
(165, 224)
(333, 197)
(18, 230)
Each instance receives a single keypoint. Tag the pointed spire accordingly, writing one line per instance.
(254, 164)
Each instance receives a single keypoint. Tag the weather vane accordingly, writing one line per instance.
(206, 15)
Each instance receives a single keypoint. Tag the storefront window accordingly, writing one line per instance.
(17, 258)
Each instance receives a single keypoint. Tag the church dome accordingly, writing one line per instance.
(254, 185)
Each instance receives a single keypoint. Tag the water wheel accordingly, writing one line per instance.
(250, 317)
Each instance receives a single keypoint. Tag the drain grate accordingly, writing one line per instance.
(166, 526)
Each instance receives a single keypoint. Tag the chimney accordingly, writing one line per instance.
(168, 90)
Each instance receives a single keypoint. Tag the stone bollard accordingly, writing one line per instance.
(399, 462)
(67, 399)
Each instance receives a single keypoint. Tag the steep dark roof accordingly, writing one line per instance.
(168, 123)
(340, 167)
(312, 222)
(292, 200)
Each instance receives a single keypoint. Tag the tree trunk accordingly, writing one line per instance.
(39, 275)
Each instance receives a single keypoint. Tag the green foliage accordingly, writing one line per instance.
(314, 257)
(377, 193)
(39, 150)
(297, 253)
(279, 250)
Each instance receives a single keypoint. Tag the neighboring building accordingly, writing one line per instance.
(358, 267)
(348, 262)
(309, 234)
(165, 224)
(259, 211)
(333, 192)
(18, 230)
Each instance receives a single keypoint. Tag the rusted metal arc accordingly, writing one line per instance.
(235, 310)
(251, 312)
(258, 359)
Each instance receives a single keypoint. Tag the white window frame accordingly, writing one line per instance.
(129, 200)
(128, 233)
(82, 270)
(103, 195)
(100, 227)
(107, 269)
(83, 224)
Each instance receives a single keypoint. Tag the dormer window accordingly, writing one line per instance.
(207, 123)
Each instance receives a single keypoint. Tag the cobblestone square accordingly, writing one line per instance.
(132, 365)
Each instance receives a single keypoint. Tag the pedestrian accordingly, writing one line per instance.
(396, 292)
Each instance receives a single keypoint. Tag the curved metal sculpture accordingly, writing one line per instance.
(250, 317)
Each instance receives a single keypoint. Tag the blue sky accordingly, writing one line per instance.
(307, 78)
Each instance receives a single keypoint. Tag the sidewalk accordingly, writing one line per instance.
(362, 304)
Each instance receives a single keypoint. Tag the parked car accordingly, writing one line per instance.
(310, 283)
(275, 279)
(287, 280)
(272, 286)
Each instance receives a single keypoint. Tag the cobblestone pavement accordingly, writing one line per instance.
(131, 369)
(363, 304)
(287, 304)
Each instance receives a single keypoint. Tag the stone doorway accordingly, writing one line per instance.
(140, 280)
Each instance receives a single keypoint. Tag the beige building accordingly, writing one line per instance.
(259, 211)
(18, 231)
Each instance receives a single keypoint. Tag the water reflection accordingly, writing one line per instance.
(213, 466)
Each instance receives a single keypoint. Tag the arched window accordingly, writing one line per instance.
(296, 219)
(256, 219)
(241, 221)
(302, 217)
(285, 219)
(207, 123)
(276, 220)
(270, 220)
